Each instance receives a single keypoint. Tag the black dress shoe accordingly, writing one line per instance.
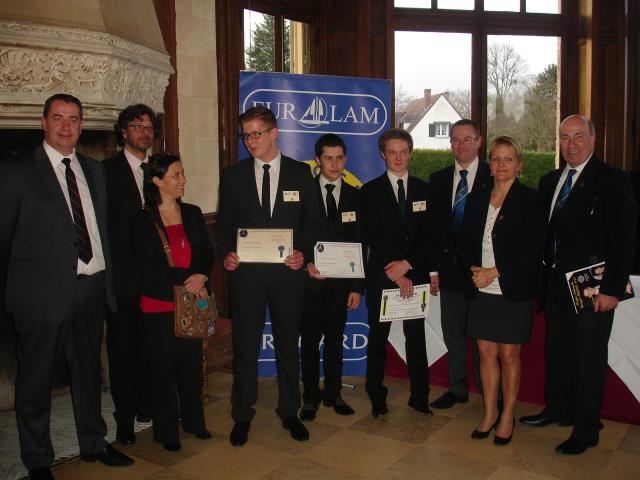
(172, 447)
(239, 434)
(110, 457)
(574, 446)
(342, 408)
(379, 410)
(447, 400)
(297, 430)
(203, 435)
(480, 435)
(501, 441)
(420, 407)
(142, 418)
(308, 412)
(125, 436)
(542, 420)
(43, 473)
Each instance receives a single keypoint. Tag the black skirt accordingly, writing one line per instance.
(494, 318)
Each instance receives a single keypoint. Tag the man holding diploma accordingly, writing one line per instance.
(266, 190)
(326, 300)
(395, 213)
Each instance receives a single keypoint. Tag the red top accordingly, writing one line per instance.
(181, 252)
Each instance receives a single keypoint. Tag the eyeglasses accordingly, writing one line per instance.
(254, 135)
(462, 141)
(139, 127)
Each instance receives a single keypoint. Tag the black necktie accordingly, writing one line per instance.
(402, 203)
(332, 208)
(84, 242)
(266, 191)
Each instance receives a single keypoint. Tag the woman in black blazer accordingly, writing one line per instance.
(501, 244)
(174, 361)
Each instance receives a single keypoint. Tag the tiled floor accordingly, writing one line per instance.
(401, 445)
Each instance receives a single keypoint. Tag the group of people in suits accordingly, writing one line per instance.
(509, 250)
(118, 235)
(86, 235)
(492, 248)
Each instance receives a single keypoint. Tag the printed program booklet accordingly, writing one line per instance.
(584, 286)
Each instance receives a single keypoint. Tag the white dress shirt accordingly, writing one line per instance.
(96, 264)
(136, 167)
(393, 178)
(488, 257)
(336, 191)
(563, 178)
(274, 176)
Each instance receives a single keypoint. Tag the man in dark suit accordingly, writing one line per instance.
(266, 190)
(55, 252)
(449, 188)
(396, 224)
(126, 343)
(592, 215)
(326, 301)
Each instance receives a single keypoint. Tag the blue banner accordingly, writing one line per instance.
(308, 106)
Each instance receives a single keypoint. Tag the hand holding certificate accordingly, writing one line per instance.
(393, 307)
(338, 259)
(264, 245)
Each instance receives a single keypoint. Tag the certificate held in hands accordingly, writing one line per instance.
(264, 245)
(339, 259)
(393, 307)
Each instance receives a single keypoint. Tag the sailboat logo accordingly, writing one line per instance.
(316, 114)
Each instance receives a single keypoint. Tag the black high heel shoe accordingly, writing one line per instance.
(501, 441)
(480, 435)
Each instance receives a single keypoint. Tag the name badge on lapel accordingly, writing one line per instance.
(291, 196)
(348, 217)
(420, 206)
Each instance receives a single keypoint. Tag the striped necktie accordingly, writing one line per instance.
(459, 202)
(85, 253)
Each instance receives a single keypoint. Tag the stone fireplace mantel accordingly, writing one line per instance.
(104, 71)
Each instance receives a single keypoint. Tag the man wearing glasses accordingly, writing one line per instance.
(266, 190)
(449, 188)
(126, 343)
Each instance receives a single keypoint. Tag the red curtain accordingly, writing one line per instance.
(619, 402)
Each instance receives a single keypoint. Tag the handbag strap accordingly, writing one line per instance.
(165, 245)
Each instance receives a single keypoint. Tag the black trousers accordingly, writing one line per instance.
(252, 288)
(416, 350)
(454, 308)
(129, 372)
(324, 313)
(576, 364)
(40, 344)
(176, 365)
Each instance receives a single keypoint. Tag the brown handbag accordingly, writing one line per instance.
(192, 317)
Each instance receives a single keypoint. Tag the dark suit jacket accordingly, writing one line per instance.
(596, 224)
(38, 242)
(635, 180)
(158, 278)
(389, 237)
(518, 240)
(240, 205)
(124, 202)
(443, 256)
(340, 231)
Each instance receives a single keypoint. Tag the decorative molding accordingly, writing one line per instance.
(105, 72)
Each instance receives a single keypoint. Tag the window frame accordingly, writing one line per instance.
(481, 24)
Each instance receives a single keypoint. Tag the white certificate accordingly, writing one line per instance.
(338, 259)
(264, 245)
(393, 307)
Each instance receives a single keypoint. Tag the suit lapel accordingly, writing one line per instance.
(129, 185)
(580, 192)
(45, 170)
(252, 194)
